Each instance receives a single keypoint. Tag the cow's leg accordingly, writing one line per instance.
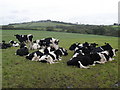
(30, 45)
(43, 58)
(34, 58)
(110, 59)
(37, 58)
(50, 60)
(92, 65)
(97, 62)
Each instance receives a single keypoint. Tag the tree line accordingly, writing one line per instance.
(82, 29)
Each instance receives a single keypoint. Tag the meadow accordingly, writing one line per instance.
(18, 72)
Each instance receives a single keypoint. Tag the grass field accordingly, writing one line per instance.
(19, 72)
(39, 25)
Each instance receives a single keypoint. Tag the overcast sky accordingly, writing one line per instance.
(97, 12)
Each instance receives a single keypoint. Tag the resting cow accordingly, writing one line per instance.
(88, 54)
(14, 43)
(48, 55)
(45, 42)
(23, 50)
(84, 61)
(4, 45)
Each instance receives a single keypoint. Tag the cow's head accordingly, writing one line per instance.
(55, 44)
(73, 46)
(107, 46)
(56, 41)
(3, 41)
(64, 51)
(86, 44)
(114, 52)
(93, 44)
(11, 41)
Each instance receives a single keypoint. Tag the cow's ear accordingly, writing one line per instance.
(78, 43)
(105, 43)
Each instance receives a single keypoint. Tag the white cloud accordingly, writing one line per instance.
(92, 11)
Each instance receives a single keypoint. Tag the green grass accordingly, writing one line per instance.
(38, 24)
(19, 72)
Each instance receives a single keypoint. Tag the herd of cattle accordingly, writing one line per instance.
(48, 50)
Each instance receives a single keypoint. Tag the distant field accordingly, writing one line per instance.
(21, 73)
(38, 25)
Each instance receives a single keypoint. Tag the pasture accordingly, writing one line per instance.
(18, 72)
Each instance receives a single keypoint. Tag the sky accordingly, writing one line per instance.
(97, 12)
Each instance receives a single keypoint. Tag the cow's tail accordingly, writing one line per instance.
(81, 66)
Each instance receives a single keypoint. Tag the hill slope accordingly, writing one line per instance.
(48, 25)
(39, 24)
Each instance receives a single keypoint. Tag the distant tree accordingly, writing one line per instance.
(99, 30)
(49, 28)
(4, 27)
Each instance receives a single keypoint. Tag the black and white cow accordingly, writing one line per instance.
(76, 47)
(23, 50)
(4, 45)
(25, 38)
(52, 42)
(84, 61)
(14, 43)
(107, 46)
(84, 48)
(35, 56)
(45, 42)
(47, 55)
(53, 56)
(38, 44)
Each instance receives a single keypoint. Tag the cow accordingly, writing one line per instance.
(107, 46)
(23, 50)
(84, 48)
(14, 43)
(45, 42)
(35, 56)
(38, 44)
(25, 39)
(47, 54)
(53, 56)
(52, 42)
(84, 61)
(76, 47)
(35, 46)
(4, 45)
